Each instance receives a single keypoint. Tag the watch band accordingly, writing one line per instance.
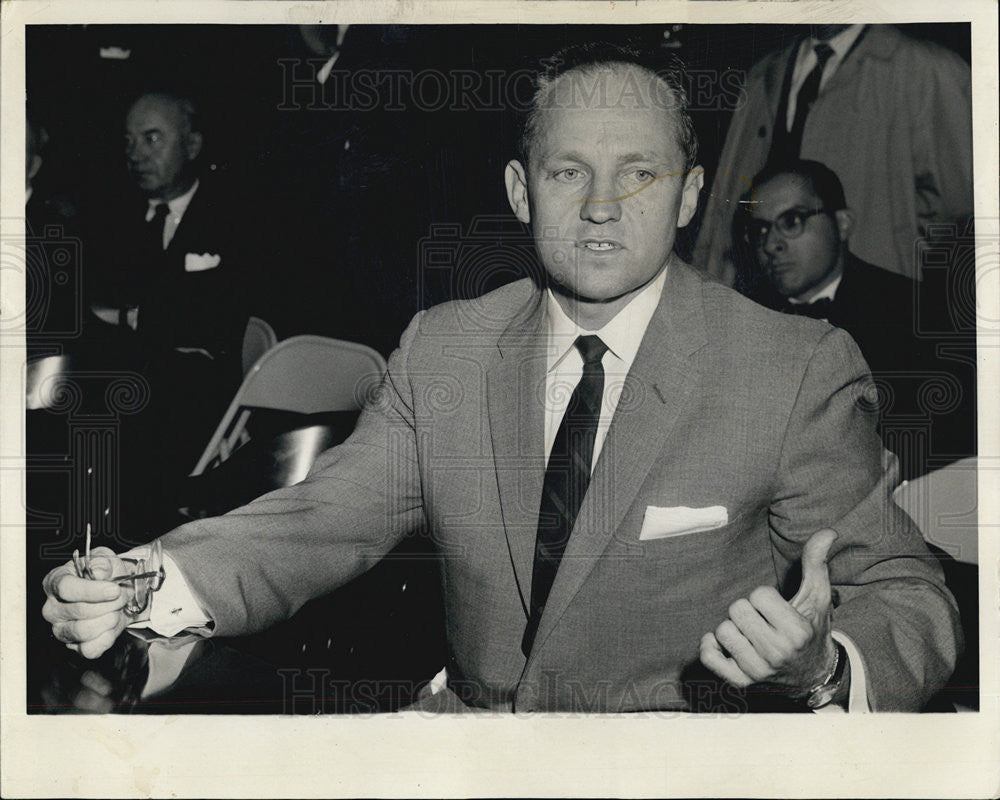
(823, 693)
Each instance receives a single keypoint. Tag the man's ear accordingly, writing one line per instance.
(845, 223)
(193, 142)
(693, 182)
(517, 190)
(34, 166)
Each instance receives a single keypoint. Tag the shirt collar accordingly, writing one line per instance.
(623, 334)
(177, 206)
(840, 43)
(829, 293)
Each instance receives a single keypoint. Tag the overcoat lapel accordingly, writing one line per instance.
(655, 391)
(776, 77)
(515, 387)
(848, 73)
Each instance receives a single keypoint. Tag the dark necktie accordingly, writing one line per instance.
(819, 310)
(155, 227)
(566, 478)
(153, 254)
(151, 271)
(804, 100)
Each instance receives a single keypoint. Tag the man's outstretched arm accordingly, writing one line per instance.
(259, 564)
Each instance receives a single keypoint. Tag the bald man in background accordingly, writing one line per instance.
(173, 272)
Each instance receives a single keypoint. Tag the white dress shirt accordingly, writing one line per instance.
(174, 608)
(623, 335)
(829, 293)
(806, 60)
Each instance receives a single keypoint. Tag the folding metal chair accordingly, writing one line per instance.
(304, 374)
(258, 339)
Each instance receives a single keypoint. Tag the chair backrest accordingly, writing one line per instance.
(305, 374)
(944, 505)
(258, 339)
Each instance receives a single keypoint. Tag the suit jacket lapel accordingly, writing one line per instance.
(181, 240)
(658, 384)
(515, 383)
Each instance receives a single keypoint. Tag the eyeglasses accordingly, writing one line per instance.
(146, 578)
(789, 224)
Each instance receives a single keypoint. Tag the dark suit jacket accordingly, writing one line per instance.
(727, 404)
(926, 400)
(181, 305)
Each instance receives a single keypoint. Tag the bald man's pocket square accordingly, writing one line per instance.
(199, 263)
(659, 523)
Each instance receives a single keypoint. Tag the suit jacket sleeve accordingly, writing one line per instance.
(833, 473)
(258, 564)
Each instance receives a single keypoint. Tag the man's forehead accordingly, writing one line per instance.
(603, 111)
(150, 111)
(781, 193)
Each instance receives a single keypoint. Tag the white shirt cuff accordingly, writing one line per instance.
(857, 698)
(173, 608)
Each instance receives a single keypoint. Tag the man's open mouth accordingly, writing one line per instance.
(599, 245)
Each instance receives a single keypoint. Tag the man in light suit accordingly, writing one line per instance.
(622, 467)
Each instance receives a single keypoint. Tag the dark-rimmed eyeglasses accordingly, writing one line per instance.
(789, 224)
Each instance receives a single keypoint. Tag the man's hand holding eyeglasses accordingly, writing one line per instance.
(88, 614)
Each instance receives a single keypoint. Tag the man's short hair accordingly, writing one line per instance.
(184, 103)
(820, 179)
(599, 55)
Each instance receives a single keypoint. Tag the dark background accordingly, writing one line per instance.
(343, 228)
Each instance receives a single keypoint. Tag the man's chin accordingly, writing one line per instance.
(785, 289)
(586, 294)
(148, 186)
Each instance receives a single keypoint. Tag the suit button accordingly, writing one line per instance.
(762, 131)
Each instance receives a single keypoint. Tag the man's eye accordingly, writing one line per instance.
(643, 175)
(569, 175)
(152, 138)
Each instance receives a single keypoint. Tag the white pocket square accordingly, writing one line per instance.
(659, 523)
(199, 263)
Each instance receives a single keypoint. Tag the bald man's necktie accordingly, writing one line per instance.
(566, 478)
(152, 241)
(155, 227)
(805, 98)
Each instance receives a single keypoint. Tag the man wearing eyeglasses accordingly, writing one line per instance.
(798, 224)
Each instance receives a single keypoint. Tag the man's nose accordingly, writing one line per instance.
(134, 152)
(603, 204)
(773, 242)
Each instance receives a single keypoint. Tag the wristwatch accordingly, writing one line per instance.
(823, 692)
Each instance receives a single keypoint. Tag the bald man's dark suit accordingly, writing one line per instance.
(193, 300)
